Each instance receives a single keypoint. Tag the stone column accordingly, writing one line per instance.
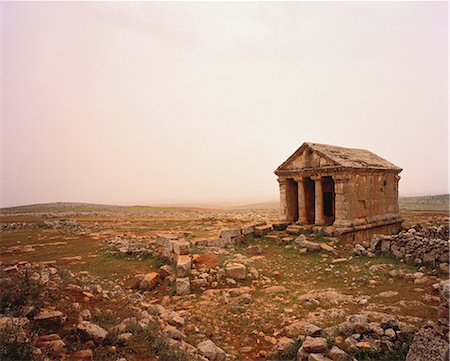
(319, 216)
(397, 179)
(283, 199)
(302, 218)
(341, 204)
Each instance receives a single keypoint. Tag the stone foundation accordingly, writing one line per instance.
(364, 233)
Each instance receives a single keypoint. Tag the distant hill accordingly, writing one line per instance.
(82, 207)
(426, 203)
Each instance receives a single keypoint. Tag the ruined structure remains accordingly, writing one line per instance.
(354, 192)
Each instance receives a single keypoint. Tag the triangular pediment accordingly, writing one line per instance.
(312, 156)
(306, 157)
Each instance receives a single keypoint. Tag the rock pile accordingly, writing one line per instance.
(66, 226)
(427, 246)
(177, 250)
(15, 226)
(431, 342)
(372, 332)
(129, 246)
(72, 313)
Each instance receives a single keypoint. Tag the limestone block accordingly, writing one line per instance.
(238, 240)
(92, 331)
(183, 266)
(229, 234)
(165, 252)
(166, 270)
(212, 352)
(164, 240)
(280, 226)
(248, 230)
(200, 282)
(315, 344)
(385, 245)
(302, 328)
(149, 281)
(217, 242)
(294, 229)
(262, 230)
(318, 357)
(181, 247)
(183, 286)
(336, 354)
(236, 271)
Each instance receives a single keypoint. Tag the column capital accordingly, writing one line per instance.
(282, 180)
(316, 178)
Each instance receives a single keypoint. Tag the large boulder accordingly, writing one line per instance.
(212, 352)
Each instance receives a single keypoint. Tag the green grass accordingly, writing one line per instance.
(112, 267)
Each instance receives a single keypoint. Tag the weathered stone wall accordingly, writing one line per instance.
(231, 237)
(371, 196)
(428, 246)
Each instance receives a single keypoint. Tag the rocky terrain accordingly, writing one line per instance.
(92, 282)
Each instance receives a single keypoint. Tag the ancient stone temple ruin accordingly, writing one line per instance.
(354, 192)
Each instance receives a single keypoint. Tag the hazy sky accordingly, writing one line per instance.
(151, 103)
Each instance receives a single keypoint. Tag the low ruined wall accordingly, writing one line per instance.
(231, 237)
(423, 246)
(366, 233)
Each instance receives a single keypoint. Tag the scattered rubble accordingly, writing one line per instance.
(419, 245)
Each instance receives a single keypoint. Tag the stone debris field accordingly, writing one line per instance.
(85, 282)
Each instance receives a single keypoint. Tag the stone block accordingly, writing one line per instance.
(236, 271)
(280, 226)
(165, 252)
(294, 229)
(183, 266)
(166, 270)
(238, 239)
(183, 286)
(149, 281)
(228, 234)
(315, 344)
(385, 245)
(262, 230)
(318, 357)
(181, 247)
(164, 240)
(336, 354)
(248, 230)
(217, 242)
